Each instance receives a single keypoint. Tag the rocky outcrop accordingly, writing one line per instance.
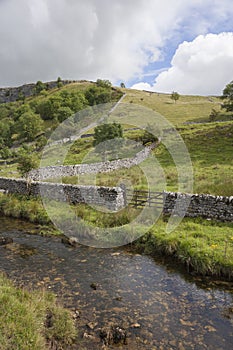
(11, 94)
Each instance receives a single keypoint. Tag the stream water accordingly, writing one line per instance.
(158, 305)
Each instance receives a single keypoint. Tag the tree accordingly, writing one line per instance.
(122, 85)
(97, 94)
(21, 110)
(5, 152)
(46, 109)
(105, 132)
(214, 115)
(6, 133)
(41, 141)
(21, 96)
(74, 100)
(26, 162)
(59, 82)
(29, 126)
(228, 97)
(64, 113)
(39, 87)
(103, 83)
(175, 96)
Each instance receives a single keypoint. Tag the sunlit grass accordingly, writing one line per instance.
(187, 108)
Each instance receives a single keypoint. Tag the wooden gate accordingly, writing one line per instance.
(140, 198)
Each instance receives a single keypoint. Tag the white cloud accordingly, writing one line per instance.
(116, 40)
(82, 39)
(142, 86)
(203, 66)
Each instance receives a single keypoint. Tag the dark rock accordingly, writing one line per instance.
(71, 241)
(93, 285)
(113, 335)
(5, 240)
(49, 320)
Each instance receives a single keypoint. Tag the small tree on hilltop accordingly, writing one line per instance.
(103, 83)
(39, 87)
(59, 82)
(175, 96)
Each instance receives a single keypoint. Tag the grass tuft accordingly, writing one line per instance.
(23, 319)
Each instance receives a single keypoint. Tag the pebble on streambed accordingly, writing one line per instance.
(5, 240)
(70, 241)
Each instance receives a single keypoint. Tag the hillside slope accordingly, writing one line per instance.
(209, 143)
(186, 109)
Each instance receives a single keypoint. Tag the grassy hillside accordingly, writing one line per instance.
(187, 108)
(209, 144)
(210, 147)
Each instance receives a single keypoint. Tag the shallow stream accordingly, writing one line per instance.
(159, 305)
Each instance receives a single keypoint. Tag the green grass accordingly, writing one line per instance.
(8, 170)
(22, 207)
(187, 108)
(210, 148)
(23, 319)
(204, 247)
(209, 144)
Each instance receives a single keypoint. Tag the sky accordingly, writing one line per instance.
(163, 46)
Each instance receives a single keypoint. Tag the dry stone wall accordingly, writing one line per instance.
(109, 197)
(201, 205)
(94, 168)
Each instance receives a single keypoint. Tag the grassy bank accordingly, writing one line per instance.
(29, 209)
(204, 247)
(32, 321)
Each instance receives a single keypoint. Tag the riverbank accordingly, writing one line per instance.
(33, 320)
(205, 247)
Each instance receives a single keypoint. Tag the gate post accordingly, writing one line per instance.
(123, 187)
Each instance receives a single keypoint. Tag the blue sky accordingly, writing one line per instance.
(157, 45)
(202, 19)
